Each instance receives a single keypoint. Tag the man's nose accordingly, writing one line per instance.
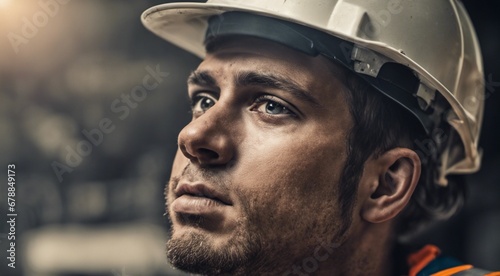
(208, 140)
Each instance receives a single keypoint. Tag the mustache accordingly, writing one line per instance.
(215, 177)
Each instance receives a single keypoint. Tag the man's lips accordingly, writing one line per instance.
(198, 199)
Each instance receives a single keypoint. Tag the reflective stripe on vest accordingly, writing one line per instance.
(465, 270)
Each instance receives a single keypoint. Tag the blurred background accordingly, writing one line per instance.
(90, 107)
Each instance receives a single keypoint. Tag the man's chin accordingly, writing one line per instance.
(196, 251)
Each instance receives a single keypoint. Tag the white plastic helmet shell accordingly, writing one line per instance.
(434, 38)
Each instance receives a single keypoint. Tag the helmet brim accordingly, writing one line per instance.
(185, 24)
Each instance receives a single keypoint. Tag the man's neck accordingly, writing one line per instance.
(368, 254)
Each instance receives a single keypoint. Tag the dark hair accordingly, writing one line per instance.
(380, 124)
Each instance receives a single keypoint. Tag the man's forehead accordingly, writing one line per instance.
(250, 48)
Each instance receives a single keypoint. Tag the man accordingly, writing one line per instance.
(321, 132)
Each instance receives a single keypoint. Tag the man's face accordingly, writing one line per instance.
(254, 182)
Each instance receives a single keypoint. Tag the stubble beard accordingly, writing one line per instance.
(194, 252)
(248, 252)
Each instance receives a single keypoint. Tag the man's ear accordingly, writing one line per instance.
(390, 181)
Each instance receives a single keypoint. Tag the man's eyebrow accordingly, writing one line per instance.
(201, 78)
(273, 81)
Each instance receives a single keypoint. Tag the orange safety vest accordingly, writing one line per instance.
(425, 262)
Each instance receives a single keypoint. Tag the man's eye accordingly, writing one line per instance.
(274, 108)
(202, 103)
(271, 106)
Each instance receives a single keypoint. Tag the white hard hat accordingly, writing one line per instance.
(422, 54)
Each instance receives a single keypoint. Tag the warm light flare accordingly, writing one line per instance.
(4, 3)
(12, 12)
